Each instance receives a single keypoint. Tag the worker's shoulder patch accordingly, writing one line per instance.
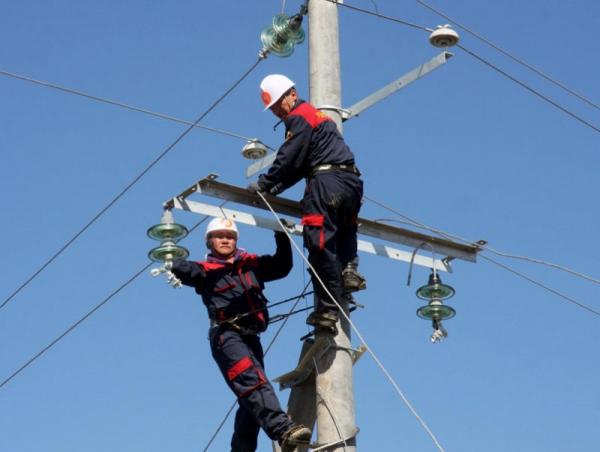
(310, 114)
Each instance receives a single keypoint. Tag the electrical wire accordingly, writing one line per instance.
(75, 325)
(381, 16)
(509, 55)
(124, 105)
(131, 184)
(528, 88)
(86, 316)
(537, 283)
(482, 60)
(412, 222)
(273, 339)
(355, 329)
(528, 278)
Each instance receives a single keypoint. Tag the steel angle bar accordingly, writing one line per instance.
(268, 223)
(397, 84)
(405, 256)
(210, 187)
(367, 102)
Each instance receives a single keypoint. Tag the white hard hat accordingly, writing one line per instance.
(273, 87)
(220, 224)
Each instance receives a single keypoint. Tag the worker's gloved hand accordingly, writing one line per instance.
(254, 187)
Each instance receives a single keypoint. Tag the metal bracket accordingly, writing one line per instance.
(367, 102)
(346, 439)
(344, 114)
(305, 367)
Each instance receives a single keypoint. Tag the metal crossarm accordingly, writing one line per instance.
(209, 186)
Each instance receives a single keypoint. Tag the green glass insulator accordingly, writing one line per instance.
(436, 290)
(276, 43)
(167, 231)
(284, 27)
(168, 252)
(436, 312)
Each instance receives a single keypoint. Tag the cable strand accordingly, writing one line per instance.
(509, 55)
(88, 314)
(131, 184)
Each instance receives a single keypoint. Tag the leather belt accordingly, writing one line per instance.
(233, 326)
(331, 167)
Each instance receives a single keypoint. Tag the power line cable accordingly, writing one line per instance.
(355, 329)
(482, 60)
(537, 283)
(554, 291)
(412, 222)
(123, 105)
(509, 55)
(132, 183)
(75, 325)
(86, 316)
(528, 88)
(381, 16)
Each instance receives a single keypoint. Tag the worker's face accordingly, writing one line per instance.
(283, 106)
(223, 244)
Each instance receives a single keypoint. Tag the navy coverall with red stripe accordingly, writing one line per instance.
(228, 290)
(331, 199)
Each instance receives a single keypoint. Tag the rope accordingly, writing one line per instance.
(131, 184)
(355, 329)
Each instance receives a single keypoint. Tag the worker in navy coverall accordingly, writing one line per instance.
(315, 150)
(230, 282)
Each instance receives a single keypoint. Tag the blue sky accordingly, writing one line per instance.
(464, 150)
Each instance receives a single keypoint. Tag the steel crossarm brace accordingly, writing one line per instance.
(209, 186)
(396, 85)
(269, 223)
(367, 102)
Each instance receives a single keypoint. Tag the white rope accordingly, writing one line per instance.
(355, 329)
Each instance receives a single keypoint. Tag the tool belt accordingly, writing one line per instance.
(330, 167)
(230, 324)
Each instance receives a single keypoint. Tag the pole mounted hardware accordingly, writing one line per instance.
(254, 149)
(168, 233)
(444, 36)
(211, 187)
(283, 35)
(367, 102)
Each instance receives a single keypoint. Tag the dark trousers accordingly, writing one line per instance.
(330, 209)
(240, 359)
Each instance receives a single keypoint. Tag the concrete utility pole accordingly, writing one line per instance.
(334, 392)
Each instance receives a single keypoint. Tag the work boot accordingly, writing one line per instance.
(298, 435)
(323, 321)
(353, 281)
